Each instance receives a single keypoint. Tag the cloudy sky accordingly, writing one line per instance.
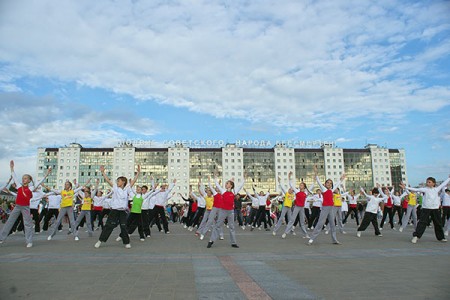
(355, 72)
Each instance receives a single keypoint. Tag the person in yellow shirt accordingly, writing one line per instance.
(66, 208)
(411, 211)
(289, 197)
(87, 195)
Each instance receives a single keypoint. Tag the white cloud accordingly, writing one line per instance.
(30, 122)
(290, 63)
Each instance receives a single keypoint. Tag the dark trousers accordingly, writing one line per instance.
(386, 211)
(160, 213)
(369, 218)
(355, 212)
(260, 216)
(42, 214)
(399, 210)
(253, 213)
(96, 214)
(154, 219)
(145, 215)
(115, 217)
(50, 213)
(269, 219)
(105, 212)
(238, 216)
(135, 221)
(198, 215)
(37, 223)
(423, 223)
(315, 213)
(445, 214)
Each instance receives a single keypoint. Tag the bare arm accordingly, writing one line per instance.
(136, 177)
(109, 181)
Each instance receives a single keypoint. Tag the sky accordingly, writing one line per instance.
(353, 72)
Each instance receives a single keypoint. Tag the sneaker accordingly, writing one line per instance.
(337, 243)
(167, 232)
(414, 240)
(60, 230)
(228, 226)
(343, 232)
(274, 233)
(307, 236)
(202, 236)
(161, 230)
(326, 231)
(243, 227)
(400, 229)
(259, 228)
(443, 240)
(118, 239)
(37, 232)
(283, 236)
(293, 227)
(29, 245)
(221, 238)
(1, 242)
(142, 240)
(234, 246)
(380, 235)
(77, 238)
(190, 228)
(148, 235)
(253, 228)
(267, 229)
(97, 245)
(395, 229)
(128, 246)
(97, 228)
(293, 233)
(358, 234)
(185, 226)
(310, 242)
(209, 244)
(49, 238)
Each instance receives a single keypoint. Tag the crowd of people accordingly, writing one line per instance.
(212, 206)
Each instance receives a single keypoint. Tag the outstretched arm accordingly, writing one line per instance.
(109, 181)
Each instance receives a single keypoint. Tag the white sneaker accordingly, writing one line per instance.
(118, 239)
(77, 238)
(307, 236)
(293, 227)
(326, 231)
(97, 245)
(358, 233)
(49, 238)
(283, 236)
(221, 238)
(128, 246)
(293, 233)
(202, 236)
(142, 240)
(400, 229)
(259, 228)
(443, 240)
(395, 229)
(343, 232)
(414, 240)
(274, 233)
(185, 226)
(190, 228)
(310, 242)
(380, 235)
(29, 245)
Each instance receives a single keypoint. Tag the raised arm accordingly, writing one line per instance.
(109, 181)
(239, 188)
(13, 175)
(444, 184)
(322, 188)
(6, 184)
(220, 188)
(49, 170)
(364, 192)
(341, 181)
(133, 181)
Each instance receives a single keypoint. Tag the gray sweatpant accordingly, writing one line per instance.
(297, 210)
(27, 222)
(62, 212)
(410, 211)
(327, 212)
(204, 220)
(284, 211)
(338, 219)
(223, 214)
(87, 214)
(211, 220)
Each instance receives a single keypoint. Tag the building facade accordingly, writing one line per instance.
(263, 167)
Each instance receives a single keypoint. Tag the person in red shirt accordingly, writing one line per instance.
(24, 195)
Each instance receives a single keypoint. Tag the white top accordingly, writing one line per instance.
(201, 202)
(37, 197)
(317, 200)
(255, 201)
(431, 198)
(54, 201)
(236, 190)
(324, 189)
(372, 203)
(120, 196)
(445, 199)
(353, 199)
(162, 197)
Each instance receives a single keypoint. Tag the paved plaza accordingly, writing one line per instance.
(179, 266)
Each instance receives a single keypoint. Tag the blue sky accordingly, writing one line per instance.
(347, 71)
